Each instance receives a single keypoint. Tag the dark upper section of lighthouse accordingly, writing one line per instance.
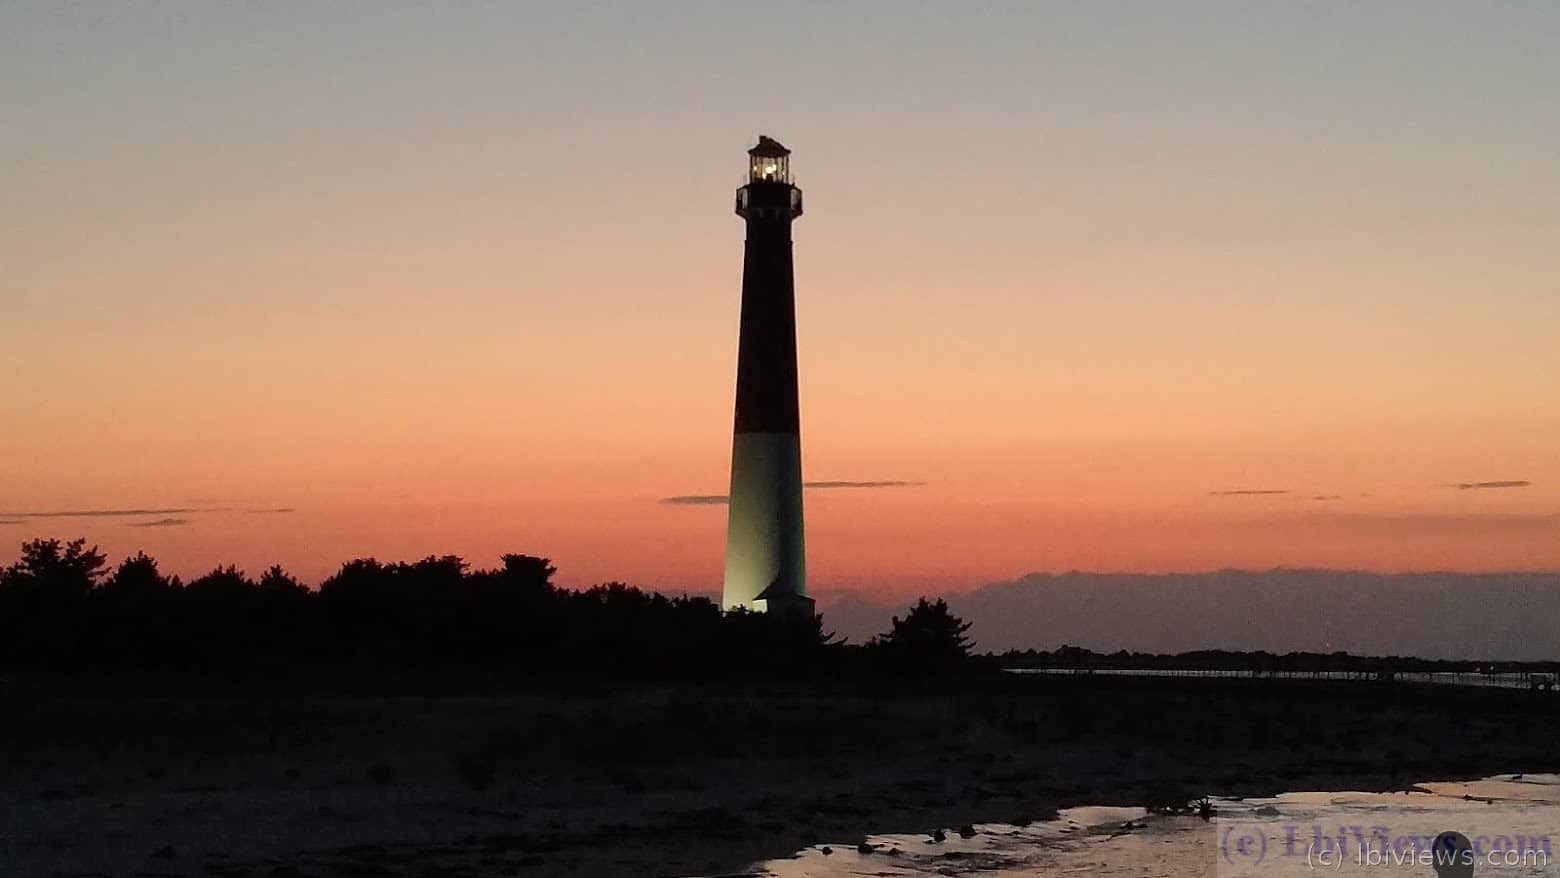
(766, 357)
(770, 193)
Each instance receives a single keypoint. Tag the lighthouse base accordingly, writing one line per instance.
(765, 571)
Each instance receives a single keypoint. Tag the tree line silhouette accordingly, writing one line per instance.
(62, 607)
(1260, 662)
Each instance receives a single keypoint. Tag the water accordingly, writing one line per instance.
(1510, 819)
(1447, 678)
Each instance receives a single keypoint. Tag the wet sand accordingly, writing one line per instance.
(702, 781)
(1295, 834)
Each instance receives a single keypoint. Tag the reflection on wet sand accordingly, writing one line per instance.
(1506, 823)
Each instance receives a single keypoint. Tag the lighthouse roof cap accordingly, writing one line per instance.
(768, 147)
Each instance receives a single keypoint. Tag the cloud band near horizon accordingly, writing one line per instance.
(1478, 486)
(722, 499)
(19, 517)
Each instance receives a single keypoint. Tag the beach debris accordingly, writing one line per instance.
(1023, 821)
(1168, 800)
(1129, 826)
(938, 836)
(1269, 811)
(826, 850)
(1205, 808)
(967, 831)
(865, 848)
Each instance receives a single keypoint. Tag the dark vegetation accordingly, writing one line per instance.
(929, 638)
(62, 608)
(1261, 662)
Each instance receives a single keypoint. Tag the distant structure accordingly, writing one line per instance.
(765, 559)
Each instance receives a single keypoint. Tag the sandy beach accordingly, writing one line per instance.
(696, 781)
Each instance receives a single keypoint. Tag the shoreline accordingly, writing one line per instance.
(1284, 833)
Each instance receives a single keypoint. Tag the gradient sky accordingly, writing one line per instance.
(464, 278)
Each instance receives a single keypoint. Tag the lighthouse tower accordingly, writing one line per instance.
(765, 568)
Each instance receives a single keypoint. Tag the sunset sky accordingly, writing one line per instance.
(1101, 286)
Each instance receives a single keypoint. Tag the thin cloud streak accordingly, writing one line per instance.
(887, 483)
(697, 500)
(1248, 492)
(1477, 486)
(722, 499)
(163, 522)
(96, 513)
(19, 517)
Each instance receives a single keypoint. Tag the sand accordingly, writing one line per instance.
(687, 782)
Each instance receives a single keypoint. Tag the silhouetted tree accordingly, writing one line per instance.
(44, 616)
(64, 569)
(133, 614)
(528, 572)
(138, 576)
(929, 637)
(277, 580)
(222, 582)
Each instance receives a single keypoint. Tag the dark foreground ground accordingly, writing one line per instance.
(682, 781)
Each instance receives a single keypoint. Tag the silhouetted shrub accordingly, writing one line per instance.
(929, 638)
(45, 618)
(277, 580)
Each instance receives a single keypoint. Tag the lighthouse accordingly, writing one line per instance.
(765, 560)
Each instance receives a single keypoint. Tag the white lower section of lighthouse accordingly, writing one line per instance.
(764, 547)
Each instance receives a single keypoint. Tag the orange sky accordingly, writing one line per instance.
(467, 282)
